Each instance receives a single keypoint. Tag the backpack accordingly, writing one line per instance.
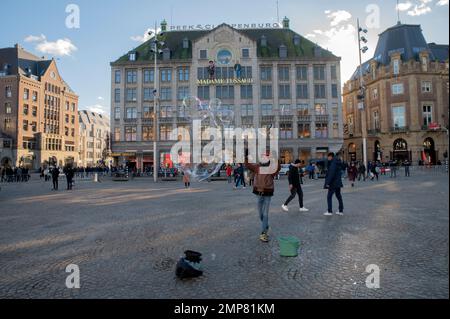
(189, 266)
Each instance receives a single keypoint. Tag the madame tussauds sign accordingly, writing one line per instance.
(224, 81)
(274, 25)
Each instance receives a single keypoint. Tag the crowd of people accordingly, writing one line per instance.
(14, 174)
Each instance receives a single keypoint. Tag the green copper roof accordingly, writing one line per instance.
(275, 38)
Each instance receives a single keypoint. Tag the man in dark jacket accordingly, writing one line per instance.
(55, 177)
(69, 176)
(333, 182)
(295, 186)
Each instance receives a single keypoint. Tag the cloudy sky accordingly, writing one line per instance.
(110, 28)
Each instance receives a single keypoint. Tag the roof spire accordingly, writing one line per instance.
(398, 14)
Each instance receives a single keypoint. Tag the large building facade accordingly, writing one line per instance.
(38, 111)
(406, 100)
(286, 81)
(94, 139)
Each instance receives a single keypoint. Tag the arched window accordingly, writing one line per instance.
(400, 145)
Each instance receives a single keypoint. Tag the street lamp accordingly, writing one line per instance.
(361, 93)
(155, 48)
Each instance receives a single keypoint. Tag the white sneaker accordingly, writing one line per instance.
(328, 214)
(304, 209)
(339, 213)
(285, 208)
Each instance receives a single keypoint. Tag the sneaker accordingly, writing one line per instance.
(285, 208)
(340, 213)
(304, 209)
(328, 214)
(264, 238)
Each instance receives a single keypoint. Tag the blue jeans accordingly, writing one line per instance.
(336, 191)
(263, 210)
(240, 180)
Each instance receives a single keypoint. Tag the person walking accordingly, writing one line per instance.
(187, 179)
(229, 172)
(295, 187)
(375, 171)
(352, 172)
(263, 188)
(240, 176)
(393, 167)
(69, 172)
(407, 164)
(55, 177)
(361, 172)
(333, 182)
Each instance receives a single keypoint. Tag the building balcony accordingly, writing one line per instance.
(130, 120)
(322, 118)
(304, 118)
(166, 119)
(268, 118)
(399, 129)
(374, 132)
(147, 120)
(286, 118)
(183, 119)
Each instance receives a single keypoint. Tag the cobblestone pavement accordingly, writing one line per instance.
(127, 237)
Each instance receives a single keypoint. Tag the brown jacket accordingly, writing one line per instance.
(263, 183)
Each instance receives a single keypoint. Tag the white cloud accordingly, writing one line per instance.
(145, 37)
(60, 47)
(100, 98)
(97, 108)
(404, 6)
(420, 9)
(442, 3)
(327, 11)
(338, 17)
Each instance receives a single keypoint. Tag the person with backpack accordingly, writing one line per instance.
(264, 188)
(333, 183)
(295, 187)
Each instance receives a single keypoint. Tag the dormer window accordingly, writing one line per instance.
(166, 54)
(264, 41)
(132, 56)
(317, 52)
(185, 43)
(296, 40)
(396, 66)
(424, 64)
(283, 51)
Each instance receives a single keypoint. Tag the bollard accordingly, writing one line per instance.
(96, 178)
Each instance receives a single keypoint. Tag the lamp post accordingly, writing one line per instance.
(361, 95)
(156, 50)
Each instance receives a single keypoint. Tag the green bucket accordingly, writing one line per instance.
(289, 246)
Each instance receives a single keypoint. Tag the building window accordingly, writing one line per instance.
(283, 73)
(130, 133)
(166, 75)
(67, 106)
(148, 94)
(319, 72)
(8, 123)
(34, 126)
(333, 72)
(336, 130)
(34, 111)
(117, 76)
(246, 72)
(245, 53)
(396, 66)
(131, 76)
(203, 92)
(426, 87)
(183, 92)
(302, 109)
(334, 91)
(266, 110)
(285, 131)
(246, 91)
(147, 133)
(375, 94)
(320, 109)
(203, 54)
(285, 109)
(147, 112)
(284, 91)
(34, 96)
(132, 56)
(117, 113)
(304, 130)
(8, 92)
(131, 95)
(302, 91)
(72, 119)
(164, 132)
(149, 76)
(183, 74)
(26, 94)
(376, 120)
(427, 115)
(224, 73)
(130, 113)
(66, 131)
(166, 94)
(202, 73)
(350, 124)
(321, 130)
(166, 111)
(8, 109)
(266, 73)
(225, 92)
(73, 107)
(266, 91)
(67, 118)
(25, 125)
(397, 88)
(319, 91)
(25, 109)
(398, 116)
(246, 110)
(72, 132)
(117, 134)
(424, 64)
(302, 73)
